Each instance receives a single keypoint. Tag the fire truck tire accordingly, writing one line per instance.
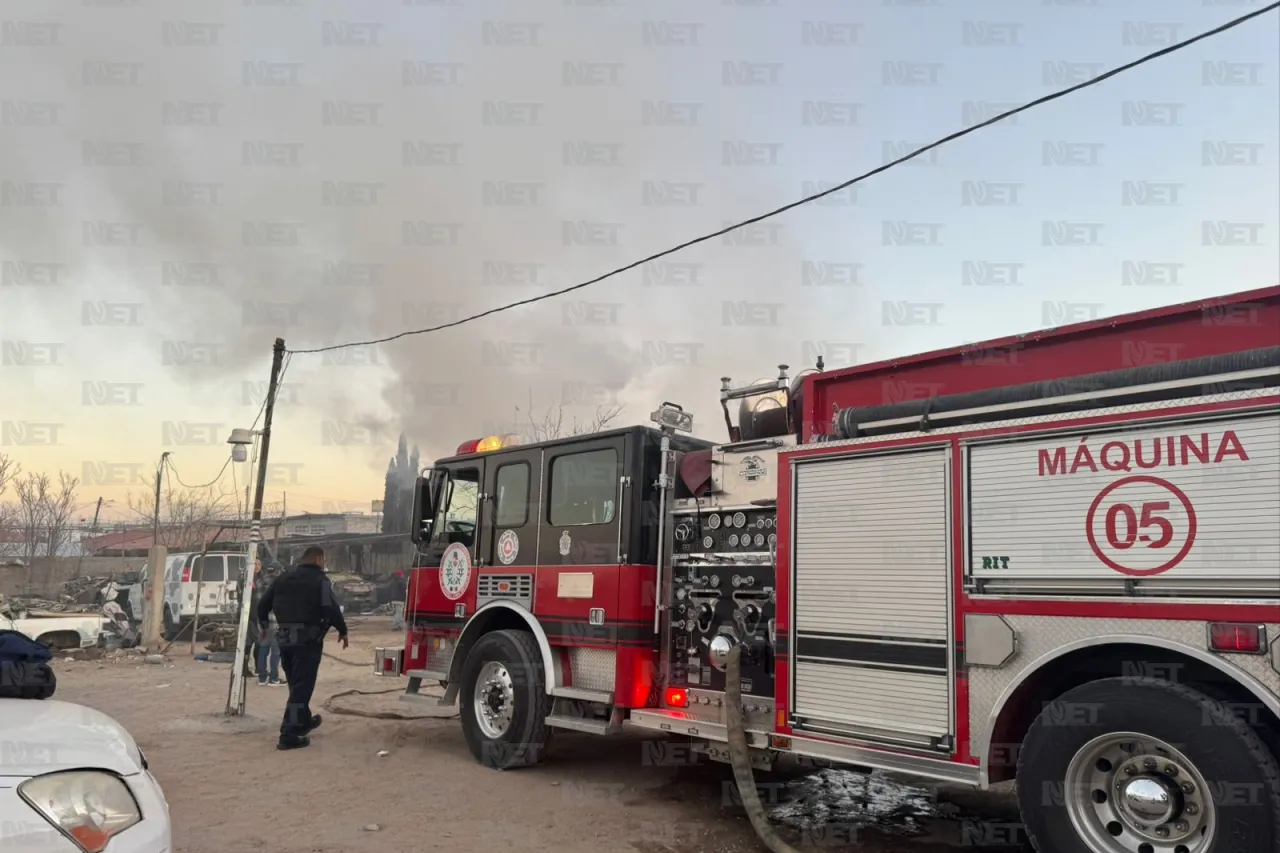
(1197, 767)
(504, 701)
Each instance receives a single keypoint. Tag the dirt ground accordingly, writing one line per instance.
(229, 789)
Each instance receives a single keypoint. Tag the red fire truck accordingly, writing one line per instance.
(1053, 558)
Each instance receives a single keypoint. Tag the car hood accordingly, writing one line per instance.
(45, 736)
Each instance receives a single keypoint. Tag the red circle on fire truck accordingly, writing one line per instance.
(1126, 524)
(455, 571)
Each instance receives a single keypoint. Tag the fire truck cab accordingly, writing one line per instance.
(540, 605)
(1052, 559)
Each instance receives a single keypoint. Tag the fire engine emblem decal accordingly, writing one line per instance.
(566, 543)
(752, 469)
(455, 571)
(508, 547)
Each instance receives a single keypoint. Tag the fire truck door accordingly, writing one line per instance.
(871, 575)
(509, 532)
(583, 540)
(458, 518)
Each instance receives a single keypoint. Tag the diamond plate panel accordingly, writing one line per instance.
(439, 659)
(1041, 635)
(593, 669)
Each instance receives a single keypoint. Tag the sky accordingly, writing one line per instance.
(183, 182)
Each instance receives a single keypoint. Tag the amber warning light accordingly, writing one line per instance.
(1240, 639)
(487, 445)
(677, 697)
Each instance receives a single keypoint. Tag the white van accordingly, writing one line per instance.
(214, 578)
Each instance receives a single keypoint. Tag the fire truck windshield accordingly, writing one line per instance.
(456, 515)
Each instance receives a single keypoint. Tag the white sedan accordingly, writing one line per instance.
(72, 780)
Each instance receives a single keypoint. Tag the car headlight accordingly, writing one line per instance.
(88, 806)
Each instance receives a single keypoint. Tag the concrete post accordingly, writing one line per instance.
(153, 600)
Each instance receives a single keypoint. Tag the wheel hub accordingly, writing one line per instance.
(1150, 799)
(1129, 793)
(494, 699)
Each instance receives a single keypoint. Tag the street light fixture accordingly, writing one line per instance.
(240, 440)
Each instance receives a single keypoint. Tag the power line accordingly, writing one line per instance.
(284, 368)
(169, 466)
(835, 189)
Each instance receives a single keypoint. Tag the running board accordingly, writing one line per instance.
(411, 693)
(579, 694)
(423, 699)
(578, 724)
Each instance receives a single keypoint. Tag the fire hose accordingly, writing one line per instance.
(740, 756)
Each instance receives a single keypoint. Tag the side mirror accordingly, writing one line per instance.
(424, 507)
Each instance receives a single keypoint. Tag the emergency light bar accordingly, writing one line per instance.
(487, 445)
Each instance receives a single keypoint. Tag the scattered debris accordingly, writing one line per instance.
(850, 799)
(371, 827)
(223, 636)
(155, 659)
(382, 753)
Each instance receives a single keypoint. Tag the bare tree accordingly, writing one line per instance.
(551, 423)
(186, 516)
(9, 545)
(33, 493)
(58, 514)
(43, 515)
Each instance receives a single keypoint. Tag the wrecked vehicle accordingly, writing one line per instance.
(356, 593)
(58, 631)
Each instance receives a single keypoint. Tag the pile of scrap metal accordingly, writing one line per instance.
(119, 629)
(36, 605)
(81, 609)
(224, 636)
(78, 595)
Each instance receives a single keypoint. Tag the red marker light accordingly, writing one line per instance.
(1240, 639)
(677, 697)
(467, 447)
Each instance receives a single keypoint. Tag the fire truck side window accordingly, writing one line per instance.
(584, 488)
(513, 495)
(456, 518)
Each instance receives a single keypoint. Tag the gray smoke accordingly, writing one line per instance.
(383, 192)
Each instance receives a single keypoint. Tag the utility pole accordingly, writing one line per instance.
(92, 530)
(153, 599)
(284, 513)
(236, 689)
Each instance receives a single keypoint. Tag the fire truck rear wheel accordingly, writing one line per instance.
(504, 701)
(1146, 766)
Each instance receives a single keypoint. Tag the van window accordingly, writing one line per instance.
(513, 495)
(213, 571)
(235, 565)
(584, 487)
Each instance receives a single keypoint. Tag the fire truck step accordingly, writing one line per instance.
(422, 699)
(578, 724)
(582, 695)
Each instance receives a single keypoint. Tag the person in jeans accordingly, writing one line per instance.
(305, 607)
(267, 655)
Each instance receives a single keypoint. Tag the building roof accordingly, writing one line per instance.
(140, 539)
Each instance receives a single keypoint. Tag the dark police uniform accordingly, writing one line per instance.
(306, 608)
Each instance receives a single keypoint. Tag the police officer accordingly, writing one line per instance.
(305, 608)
